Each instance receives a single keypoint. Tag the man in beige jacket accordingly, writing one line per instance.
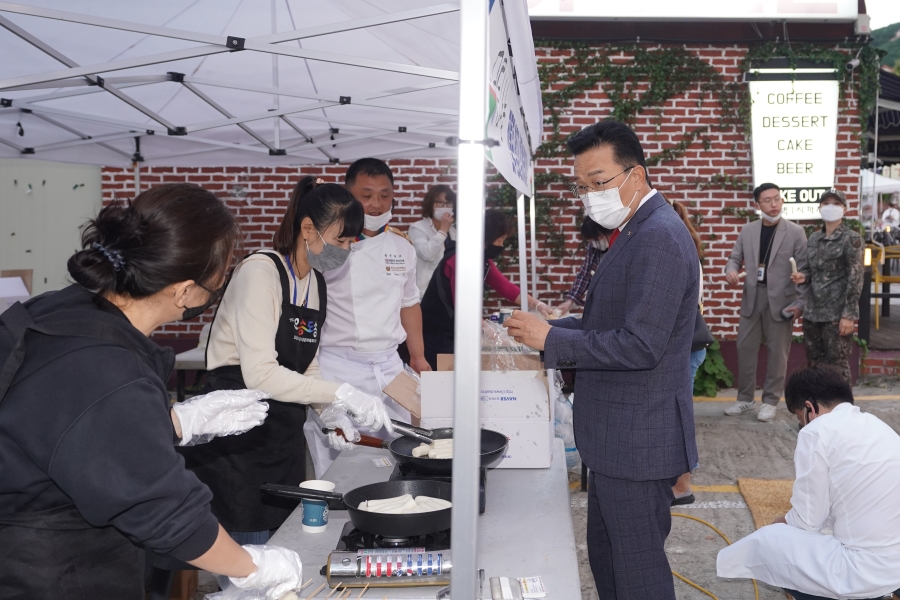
(764, 249)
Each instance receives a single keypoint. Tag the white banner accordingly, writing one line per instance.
(794, 139)
(505, 121)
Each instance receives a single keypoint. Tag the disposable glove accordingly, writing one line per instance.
(336, 418)
(278, 571)
(367, 410)
(223, 412)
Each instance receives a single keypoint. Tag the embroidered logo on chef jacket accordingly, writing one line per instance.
(307, 331)
(394, 264)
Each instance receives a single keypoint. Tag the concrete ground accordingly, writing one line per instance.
(730, 447)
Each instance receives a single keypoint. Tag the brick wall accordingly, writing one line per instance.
(259, 195)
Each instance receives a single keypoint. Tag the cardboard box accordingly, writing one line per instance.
(530, 440)
(405, 391)
(515, 403)
(12, 290)
(509, 395)
(522, 362)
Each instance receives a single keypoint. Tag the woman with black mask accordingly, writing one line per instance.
(266, 336)
(90, 476)
(440, 296)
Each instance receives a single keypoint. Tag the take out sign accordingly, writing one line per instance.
(794, 139)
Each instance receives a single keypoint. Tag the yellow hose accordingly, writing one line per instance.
(691, 583)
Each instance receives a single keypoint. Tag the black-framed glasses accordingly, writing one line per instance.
(580, 191)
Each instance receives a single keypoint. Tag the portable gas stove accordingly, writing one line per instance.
(402, 472)
(362, 558)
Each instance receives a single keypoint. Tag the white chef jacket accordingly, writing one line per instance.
(891, 217)
(366, 294)
(848, 482)
(429, 244)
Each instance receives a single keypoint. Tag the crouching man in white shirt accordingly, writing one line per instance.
(841, 538)
(373, 305)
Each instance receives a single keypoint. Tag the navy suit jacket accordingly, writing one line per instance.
(634, 413)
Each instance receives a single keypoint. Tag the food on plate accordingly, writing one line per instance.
(436, 449)
(404, 505)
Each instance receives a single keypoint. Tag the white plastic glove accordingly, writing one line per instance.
(278, 571)
(367, 410)
(336, 418)
(223, 412)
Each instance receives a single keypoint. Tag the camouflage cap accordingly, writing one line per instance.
(836, 194)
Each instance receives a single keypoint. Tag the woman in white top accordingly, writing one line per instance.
(434, 235)
(265, 336)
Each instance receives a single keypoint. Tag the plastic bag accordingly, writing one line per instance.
(500, 347)
(563, 421)
(415, 376)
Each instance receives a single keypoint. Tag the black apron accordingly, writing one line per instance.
(234, 467)
(55, 553)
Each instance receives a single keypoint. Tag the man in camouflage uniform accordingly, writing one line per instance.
(834, 273)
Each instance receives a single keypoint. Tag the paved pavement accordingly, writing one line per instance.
(730, 447)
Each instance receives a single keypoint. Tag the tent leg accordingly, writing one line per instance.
(523, 253)
(473, 94)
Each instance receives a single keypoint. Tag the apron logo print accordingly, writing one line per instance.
(304, 326)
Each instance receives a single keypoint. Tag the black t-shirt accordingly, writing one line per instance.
(766, 236)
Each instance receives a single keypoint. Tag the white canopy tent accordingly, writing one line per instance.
(280, 82)
(878, 184)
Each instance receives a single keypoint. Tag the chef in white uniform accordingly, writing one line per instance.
(841, 538)
(373, 305)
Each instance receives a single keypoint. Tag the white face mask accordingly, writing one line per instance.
(374, 223)
(831, 213)
(440, 212)
(770, 219)
(606, 208)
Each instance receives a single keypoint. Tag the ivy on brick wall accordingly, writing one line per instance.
(639, 80)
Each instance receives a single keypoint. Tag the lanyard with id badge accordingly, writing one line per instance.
(761, 269)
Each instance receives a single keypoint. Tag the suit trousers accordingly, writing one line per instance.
(752, 331)
(628, 522)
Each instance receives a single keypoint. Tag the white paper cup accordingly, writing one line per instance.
(314, 513)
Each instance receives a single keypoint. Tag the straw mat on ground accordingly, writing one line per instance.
(767, 499)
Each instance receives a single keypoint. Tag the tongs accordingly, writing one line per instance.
(404, 429)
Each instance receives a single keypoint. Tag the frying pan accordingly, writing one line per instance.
(493, 445)
(378, 523)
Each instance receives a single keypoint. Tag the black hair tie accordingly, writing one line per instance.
(113, 256)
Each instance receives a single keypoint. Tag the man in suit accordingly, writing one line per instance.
(764, 248)
(634, 416)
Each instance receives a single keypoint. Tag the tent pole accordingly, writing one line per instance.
(136, 168)
(523, 253)
(875, 164)
(533, 249)
(473, 96)
(275, 97)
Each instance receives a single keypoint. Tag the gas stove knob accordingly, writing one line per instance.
(346, 562)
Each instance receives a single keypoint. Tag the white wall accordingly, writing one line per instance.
(39, 229)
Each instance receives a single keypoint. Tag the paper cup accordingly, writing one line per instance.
(314, 513)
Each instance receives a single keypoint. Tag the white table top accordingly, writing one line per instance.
(191, 360)
(526, 529)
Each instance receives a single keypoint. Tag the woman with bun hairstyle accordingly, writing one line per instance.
(90, 476)
(266, 336)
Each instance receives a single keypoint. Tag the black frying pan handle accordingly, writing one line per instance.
(298, 493)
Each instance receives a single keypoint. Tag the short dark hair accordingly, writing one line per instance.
(373, 167)
(433, 194)
(764, 187)
(626, 146)
(168, 234)
(591, 230)
(496, 225)
(822, 384)
(325, 204)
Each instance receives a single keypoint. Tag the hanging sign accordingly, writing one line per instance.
(794, 140)
(505, 121)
